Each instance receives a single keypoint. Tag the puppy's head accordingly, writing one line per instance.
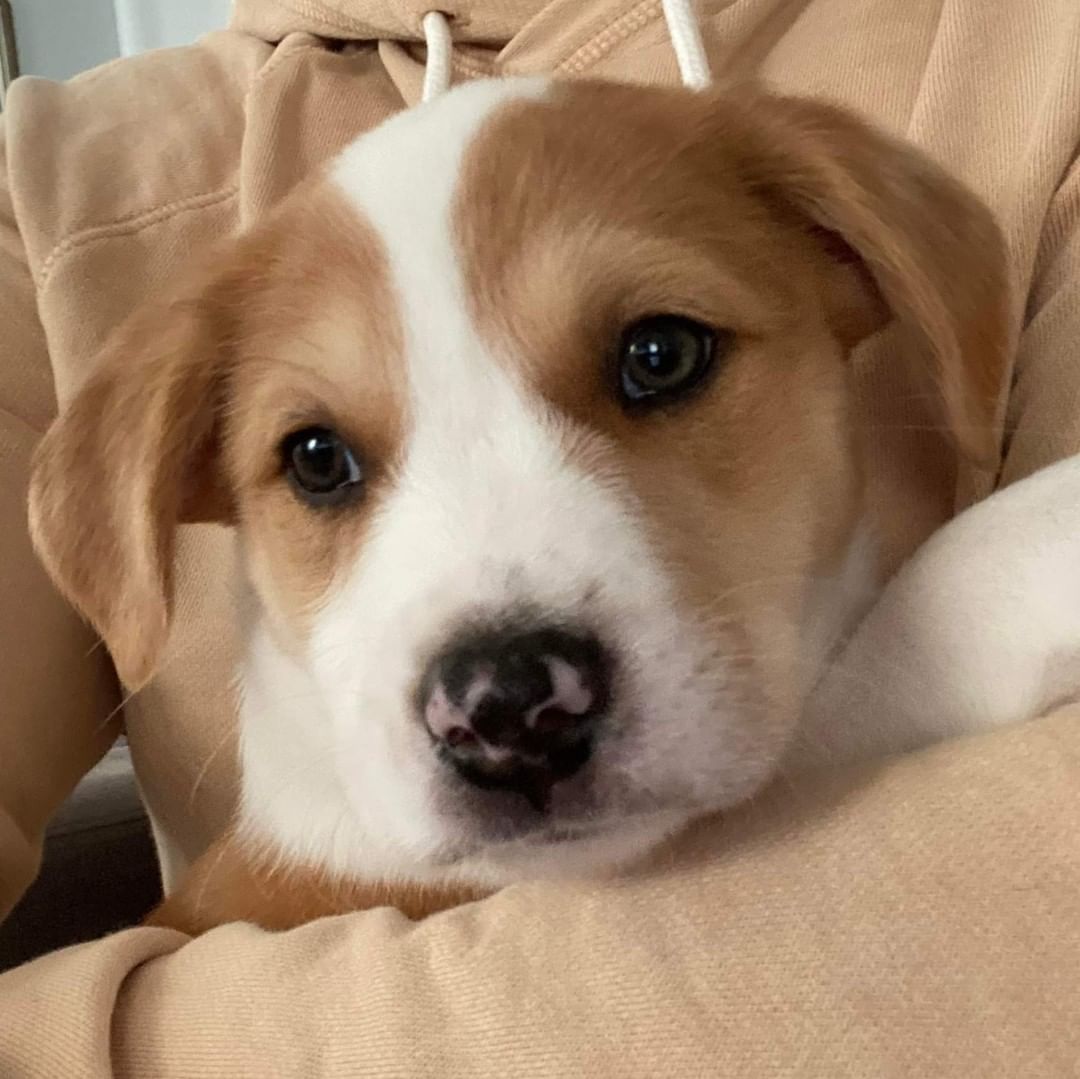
(532, 415)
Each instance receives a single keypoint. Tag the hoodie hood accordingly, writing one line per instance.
(489, 37)
(493, 23)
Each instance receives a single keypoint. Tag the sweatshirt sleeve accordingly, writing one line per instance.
(918, 919)
(56, 689)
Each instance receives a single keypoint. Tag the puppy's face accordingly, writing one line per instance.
(532, 414)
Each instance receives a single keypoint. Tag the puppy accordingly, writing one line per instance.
(532, 414)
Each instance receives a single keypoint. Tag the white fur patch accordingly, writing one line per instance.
(980, 629)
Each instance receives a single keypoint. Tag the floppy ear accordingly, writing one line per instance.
(134, 454)
(928, 245)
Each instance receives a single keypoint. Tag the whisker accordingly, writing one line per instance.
(205, 768)
(200, 898)
(129, 696)
(124, 702)
(96, 646)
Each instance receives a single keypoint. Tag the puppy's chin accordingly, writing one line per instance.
(564, 852)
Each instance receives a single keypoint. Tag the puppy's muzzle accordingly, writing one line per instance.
(517, 709)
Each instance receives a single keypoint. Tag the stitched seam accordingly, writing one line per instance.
(128, 225)
(316, 15)
(330, 20)
(617, 33)
(152, 215)
(471, 71)
(470, 68)
(278, 58)
(7, 414)
(465, 66)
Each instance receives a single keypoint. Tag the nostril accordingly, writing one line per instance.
(459, 738)
(556, 721)
(497, 721)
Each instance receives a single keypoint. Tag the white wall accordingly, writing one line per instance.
(59, 38)
(153, 24)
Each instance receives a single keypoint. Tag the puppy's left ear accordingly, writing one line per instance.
(925, 249)
(133, 455)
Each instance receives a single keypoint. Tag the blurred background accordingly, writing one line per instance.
(56, 39)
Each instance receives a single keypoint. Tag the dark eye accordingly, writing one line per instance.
(322, 469)
(663, 357)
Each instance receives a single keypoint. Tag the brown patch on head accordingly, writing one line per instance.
(788, 223)
(319, 344)
(289, 326)
(735, 205)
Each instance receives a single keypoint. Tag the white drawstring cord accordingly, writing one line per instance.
(685, 34)
(683, 29)
(439, 47)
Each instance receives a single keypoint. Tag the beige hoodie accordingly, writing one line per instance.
(920, 921)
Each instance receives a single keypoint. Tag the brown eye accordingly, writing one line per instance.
(322, 469)
(665, 356)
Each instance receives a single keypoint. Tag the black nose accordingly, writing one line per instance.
(517, 710)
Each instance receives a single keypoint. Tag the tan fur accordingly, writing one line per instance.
(137, 451)
(290, 326)
(319, 345)
(231, 883)
(749, 210)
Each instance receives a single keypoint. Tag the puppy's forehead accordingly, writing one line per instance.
(403, 174)
(520, 201)
(402, 178)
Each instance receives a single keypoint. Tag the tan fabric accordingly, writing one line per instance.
(921, 921)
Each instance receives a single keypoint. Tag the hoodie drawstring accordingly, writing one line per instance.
(685, 33)
(439, 47)
(682, 26)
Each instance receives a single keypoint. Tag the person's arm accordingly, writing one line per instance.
(923, 919)
(57, 690)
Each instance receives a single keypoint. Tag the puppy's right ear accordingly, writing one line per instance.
(134, 454)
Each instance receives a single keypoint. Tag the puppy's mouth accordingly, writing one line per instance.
(562, 815)
(555, 836)
(496, 815)
(532, 778)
